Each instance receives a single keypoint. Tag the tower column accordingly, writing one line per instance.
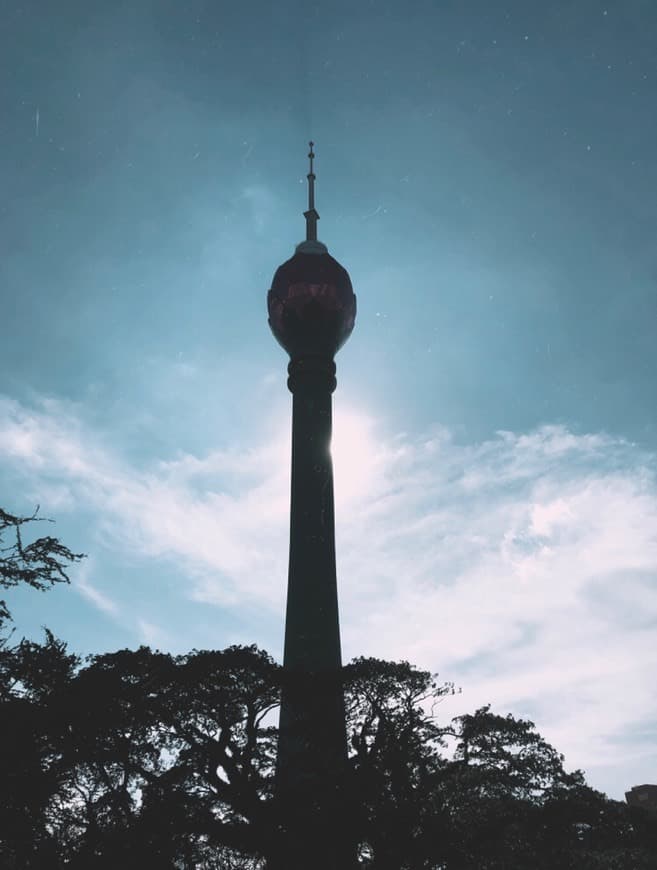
(312, 633)
(312, 751)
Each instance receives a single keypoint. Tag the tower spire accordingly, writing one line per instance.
(311, 215)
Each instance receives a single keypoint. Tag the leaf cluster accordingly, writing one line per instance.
(39, 564)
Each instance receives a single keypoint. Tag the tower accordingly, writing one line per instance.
(312, 309)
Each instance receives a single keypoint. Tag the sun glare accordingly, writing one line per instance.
(354, 453)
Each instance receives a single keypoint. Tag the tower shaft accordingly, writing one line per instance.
(312, 750)
(312, 633)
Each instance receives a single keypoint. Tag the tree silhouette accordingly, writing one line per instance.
(138, 758)
(397, 754)
(138, 753)
(40, 564)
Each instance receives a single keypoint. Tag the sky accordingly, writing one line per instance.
(486, 173)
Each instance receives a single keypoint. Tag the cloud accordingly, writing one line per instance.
(220, 516)
(99, 599)
(523, 567)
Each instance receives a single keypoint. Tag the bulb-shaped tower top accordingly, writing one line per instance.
(312, 306)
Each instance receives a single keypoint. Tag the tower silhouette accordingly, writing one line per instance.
(312, 310)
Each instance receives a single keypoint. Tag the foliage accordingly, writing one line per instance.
(135, 753)
(138, 758)
(397, 754)
(40, 564)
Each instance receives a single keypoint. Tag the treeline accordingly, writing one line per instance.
(142, 759)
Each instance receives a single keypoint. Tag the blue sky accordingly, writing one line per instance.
(486, 174)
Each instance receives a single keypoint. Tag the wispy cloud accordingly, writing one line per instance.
(221, 515)
(99, 599)
(523, 567)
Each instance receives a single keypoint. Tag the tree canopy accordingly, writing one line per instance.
(167, 761)
(139, 758)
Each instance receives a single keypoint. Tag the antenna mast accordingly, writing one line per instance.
(311, 215)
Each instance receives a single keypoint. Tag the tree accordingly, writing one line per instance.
(501, 799)
(397, 748)
(512, 804)
(40, 564)
(142, 759)
(491, 790)
(33, 677)
(30, 675)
